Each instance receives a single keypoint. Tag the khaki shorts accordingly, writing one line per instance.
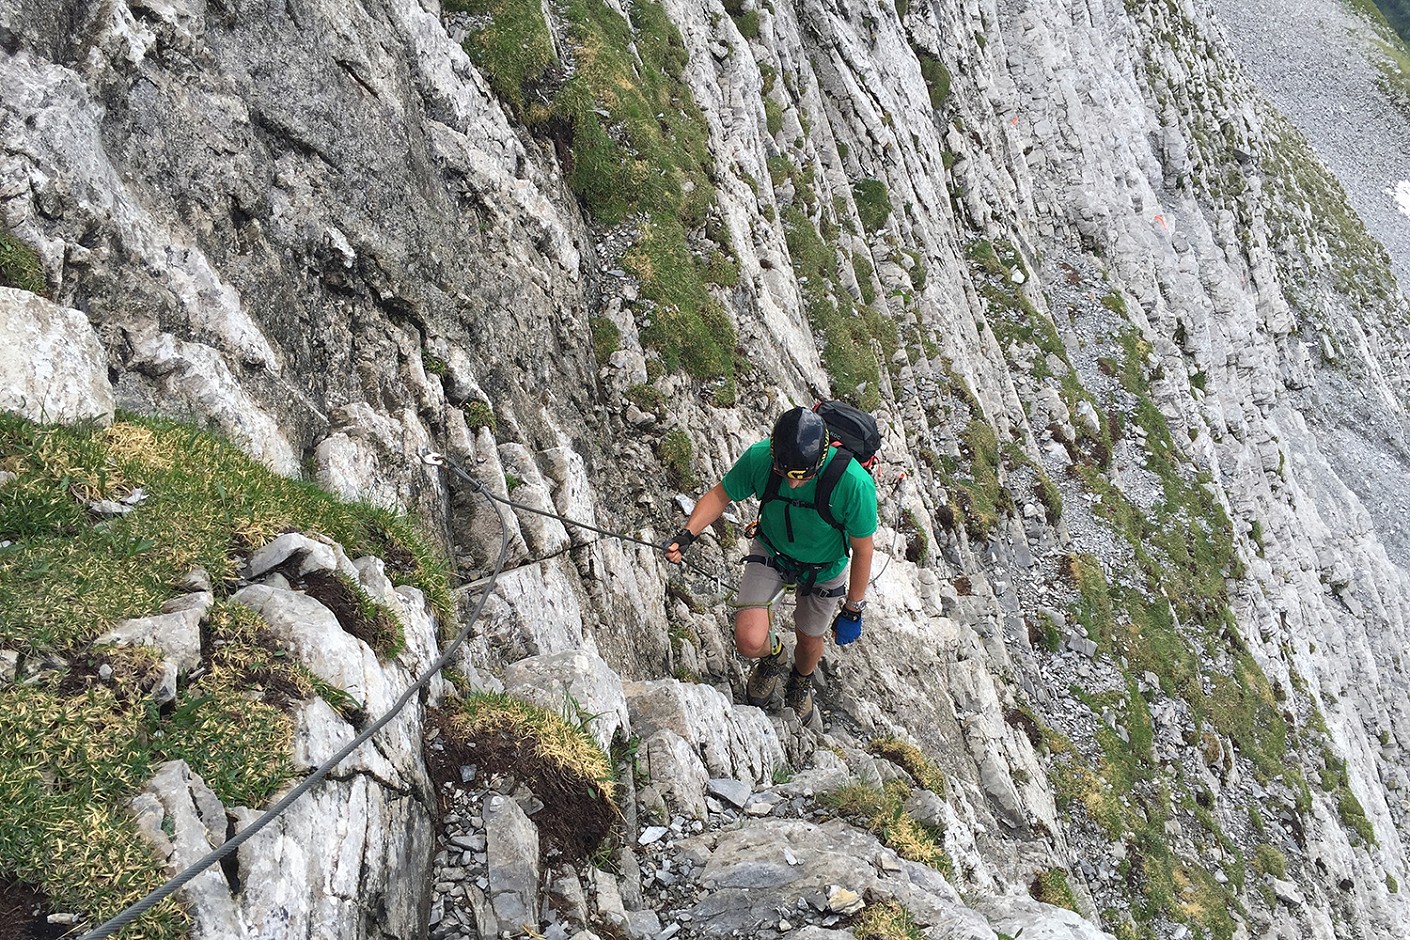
(812, 613)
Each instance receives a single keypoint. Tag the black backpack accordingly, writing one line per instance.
(855, 435)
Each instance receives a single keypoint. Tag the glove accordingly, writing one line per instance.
(847, 626)
(681, 540)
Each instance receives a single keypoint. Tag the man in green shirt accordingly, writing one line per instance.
(794, 544)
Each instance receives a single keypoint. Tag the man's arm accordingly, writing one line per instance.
(707, 509)
(861, 569)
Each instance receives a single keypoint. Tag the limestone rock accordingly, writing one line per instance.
(312, 555)
(177, 801)
(576, 683)
(52, 368)
(513, 847)
(176, 634)
(679, 774)
(1011, 914)
(733, 742)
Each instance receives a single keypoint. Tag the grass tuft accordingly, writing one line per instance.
(478, 415)
(937, 78)
(557, 758)
(873, 204)
(512, 45)
(676, 454)
(20, 266)
(564, 746)
(1052, 887)
(887, 920)
(635, 148)
(70, 576)
(883, 812)
(913, 760)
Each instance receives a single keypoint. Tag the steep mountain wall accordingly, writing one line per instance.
(1147, 370)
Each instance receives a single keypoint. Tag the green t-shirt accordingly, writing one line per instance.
(853, 505)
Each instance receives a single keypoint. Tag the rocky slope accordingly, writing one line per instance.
(1146, 597)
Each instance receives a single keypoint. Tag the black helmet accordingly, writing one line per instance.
(798, 443)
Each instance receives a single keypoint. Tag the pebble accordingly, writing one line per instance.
(844, 900)
(652, 834)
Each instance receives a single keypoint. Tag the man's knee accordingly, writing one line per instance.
(751, 632)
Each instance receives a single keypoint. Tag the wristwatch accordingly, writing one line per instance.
(855, 607)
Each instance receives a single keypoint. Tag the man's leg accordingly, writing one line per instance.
(806, 653)
(812, 617)
(759, 587)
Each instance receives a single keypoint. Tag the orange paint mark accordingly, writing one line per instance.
(1161, 220)
(1014, 122)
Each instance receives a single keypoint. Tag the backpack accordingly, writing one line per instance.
(853, 430)
(856, 436)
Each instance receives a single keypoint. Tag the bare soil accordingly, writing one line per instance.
(24, 913)
(574, 820)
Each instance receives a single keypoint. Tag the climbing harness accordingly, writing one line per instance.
(802, 574)
(140, 907)
(773, 599)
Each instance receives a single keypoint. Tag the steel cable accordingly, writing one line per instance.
(461, 472)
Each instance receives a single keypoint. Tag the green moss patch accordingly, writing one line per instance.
(1051, 886)
(745, 20)
(873, 204)
(1164, 611)
(937, 78)
(20, 266)
(851, 332)
(979, 494)
(635, 150)
(1016, 321)
(1308, 207)
(688, 326)
(511, 44)
(676, 454)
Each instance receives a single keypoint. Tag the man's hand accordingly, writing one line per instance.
(846, 626)
(675, 546)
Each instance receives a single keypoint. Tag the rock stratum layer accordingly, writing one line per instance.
(1145, 602)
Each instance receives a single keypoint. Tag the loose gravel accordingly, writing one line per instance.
(1316, 61)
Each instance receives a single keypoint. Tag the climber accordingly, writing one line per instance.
(794, 544)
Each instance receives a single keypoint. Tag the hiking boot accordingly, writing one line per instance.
(763, 680)
(799, 695)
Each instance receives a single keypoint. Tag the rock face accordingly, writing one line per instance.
(1147, 373)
